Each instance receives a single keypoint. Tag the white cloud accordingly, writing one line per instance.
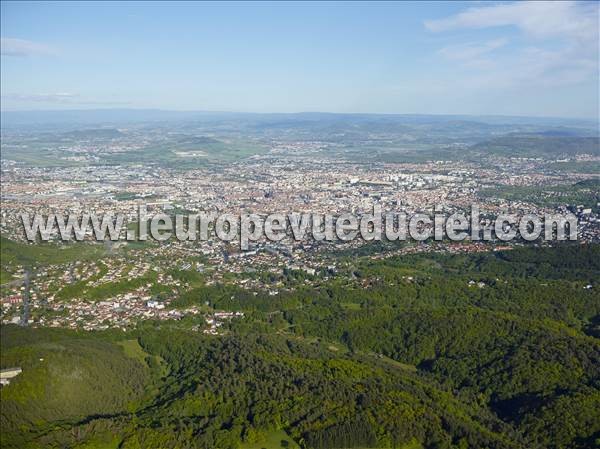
(469, 51)
(563, 45)
(21, 47)
(539, 19)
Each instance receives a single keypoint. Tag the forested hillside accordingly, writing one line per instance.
(488, 350)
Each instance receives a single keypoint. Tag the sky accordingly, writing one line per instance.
(523, 58)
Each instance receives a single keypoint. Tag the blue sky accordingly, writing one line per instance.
(465, 58)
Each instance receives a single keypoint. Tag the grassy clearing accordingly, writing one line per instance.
(133, 350)
(109, 442)
(17, 253)
(351, 306)
(274, 440)
(404, 366)
(5, 276)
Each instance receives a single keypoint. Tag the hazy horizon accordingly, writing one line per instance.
(300, 112)
(515, 59)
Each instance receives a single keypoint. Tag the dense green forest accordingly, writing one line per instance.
(487, 350)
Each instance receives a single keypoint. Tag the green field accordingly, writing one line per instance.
(174, 150)
(5, 276)
(39, 254)
(182, 155)
(133, 350)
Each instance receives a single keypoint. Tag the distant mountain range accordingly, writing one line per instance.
(116, 116)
